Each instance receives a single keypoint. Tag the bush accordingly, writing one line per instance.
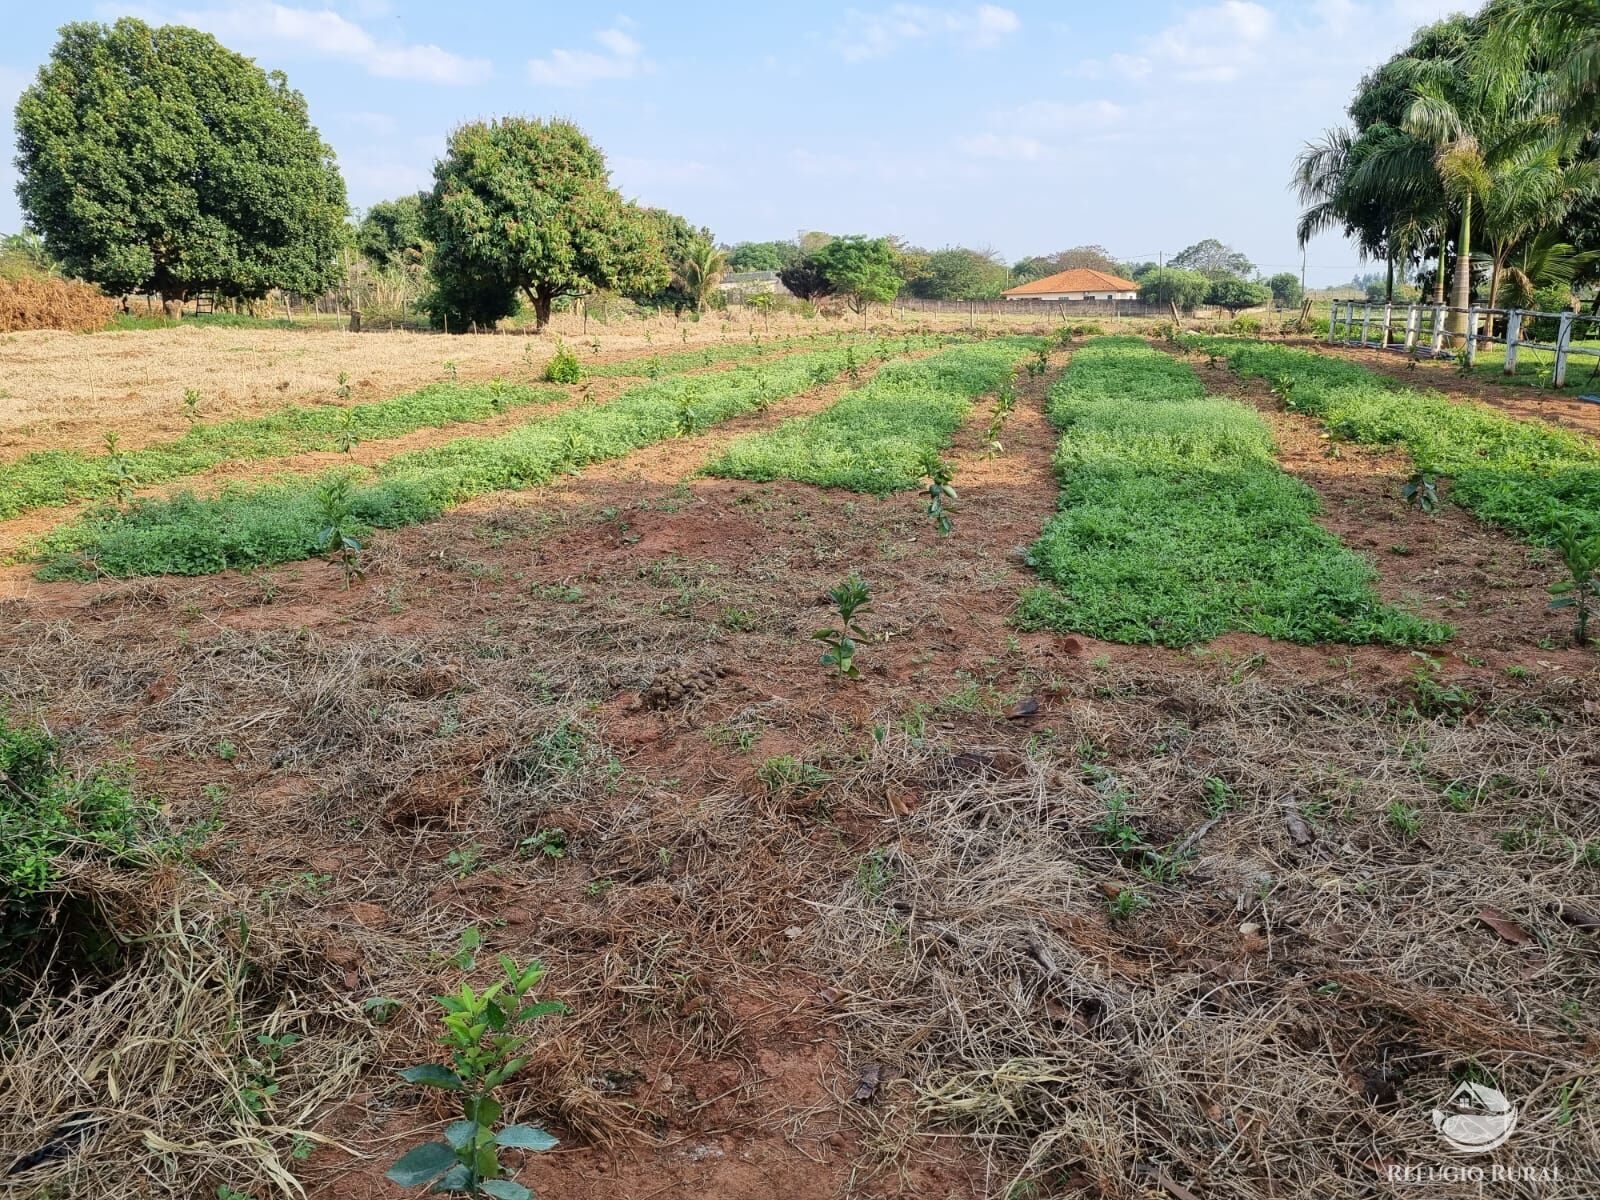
(45, 303)
(1552, 298)
(49, 815)
(563, 366)
(1286, 290)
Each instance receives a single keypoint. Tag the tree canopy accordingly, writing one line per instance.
(392, 232)
(1237, 294)
(1173, 285)
(1094, 258)
(155, 159)
(863, 270)
(1213, 260)
(957, 273)
(1285, 289)
(525, 205)
(762, 256)
(689, 253)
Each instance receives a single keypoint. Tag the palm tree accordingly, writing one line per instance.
(700, 271)
(1530, 193)
(1562, 37)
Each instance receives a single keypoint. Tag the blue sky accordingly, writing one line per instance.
(1025, 127)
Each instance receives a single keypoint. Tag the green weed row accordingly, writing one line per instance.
(1535, 480)
(880, 436)
(705, 356)
(50, 478)
(1176, 524)
(289, 518)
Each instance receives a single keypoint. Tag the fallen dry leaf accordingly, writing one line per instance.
(1164, 1181)
(1300, 829)
(1583, 918)
(1505, 927)
(1028, 706)
(902, 801)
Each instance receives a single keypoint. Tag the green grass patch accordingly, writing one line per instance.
(281, 520)
(1525, 476)
(50, 815)
(877, 437)
(1176, 524)
(678, 361)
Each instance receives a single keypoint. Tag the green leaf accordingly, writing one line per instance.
(483, 1109)
(432, 1075)
(526, 1137)
(505, 1189)
(457, 1179)
(422, 1165)
(545, 1008)
(459, 1133)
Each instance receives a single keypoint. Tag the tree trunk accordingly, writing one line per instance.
(1462, 290)
(542, 302)
(1388, 282)
(1438, 282)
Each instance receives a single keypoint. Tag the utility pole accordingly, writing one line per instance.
(1302, 270)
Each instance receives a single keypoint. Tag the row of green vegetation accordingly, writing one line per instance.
(1540, 482)
(295, 517)
(1176, 524)
(880, 437)
(54, 477)
(688, 360)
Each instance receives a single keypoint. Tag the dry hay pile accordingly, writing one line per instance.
(46, 303)
(1297, 985)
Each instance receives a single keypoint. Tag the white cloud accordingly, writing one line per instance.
(623, 59)
(324, 33)
(1008, 147)
(867, 35)
(1210, 45)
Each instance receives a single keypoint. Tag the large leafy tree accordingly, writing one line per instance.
(957, 273)
(392, 232)
(1213, 260)
(1237, 294)
(1174, 286)
(694, 264)
(155, 159)
(1094, 258)
(863, 270)
(521, 205)
(1286, 290)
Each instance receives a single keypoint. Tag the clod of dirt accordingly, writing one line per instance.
(672, 689)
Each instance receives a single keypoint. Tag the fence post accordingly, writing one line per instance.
(1438, 328)
(1388, 322)
(1413, 325)
(1333, 321)
(1366, 322)
(1513, 333)
(1563, 336)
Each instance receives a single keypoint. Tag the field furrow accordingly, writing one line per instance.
(286, 519)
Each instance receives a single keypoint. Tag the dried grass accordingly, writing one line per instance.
(1276, 1023)
(39, 302)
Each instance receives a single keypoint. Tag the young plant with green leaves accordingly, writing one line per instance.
(483, 1032)
(1581, 591)
(1421, 491)
(563, 366)
(851, 599)
(335, 497)
(939, 493)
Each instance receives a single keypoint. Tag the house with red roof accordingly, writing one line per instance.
(1080, 283)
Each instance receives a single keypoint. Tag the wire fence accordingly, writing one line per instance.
(1441, 331)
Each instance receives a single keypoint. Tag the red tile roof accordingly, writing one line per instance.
(1079, 279)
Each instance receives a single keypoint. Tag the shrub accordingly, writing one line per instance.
(1552, 298)
(49, 815)
(45, 303)
(563, 366)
